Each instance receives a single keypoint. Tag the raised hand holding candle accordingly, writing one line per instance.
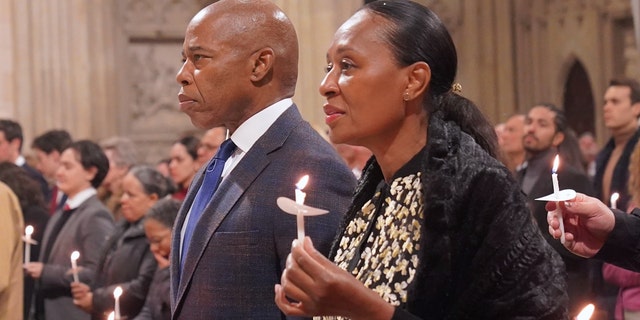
(614, 200)
(556, 192)
(117, 292)
(28, 231)
(74, 266)
(300, 200)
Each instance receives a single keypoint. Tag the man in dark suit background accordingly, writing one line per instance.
(545, 131)
(240, 71)
(11, 139)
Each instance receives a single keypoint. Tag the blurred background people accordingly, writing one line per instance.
(545, 131)
(122, 155)
(47, 148)
(82, 225)
(589, 148)
(620, 113)
(34, 212)
(511, 147)
(11, 140)
(126, 260)
(11, 255)
(157, 226)
(184, 164)
(355, 157)
(210, 142)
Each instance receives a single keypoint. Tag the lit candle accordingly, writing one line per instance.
(111, 316)
(586, 313)
(300, 200)
(117, 292)
(556, 192)
(28, 231)
(614, 200)
(74, 266)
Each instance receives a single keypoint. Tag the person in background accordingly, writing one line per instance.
(210, 142)
(163, 167)
(545, 132)
(511, 148)
(438, 228)
(355, 156)
(628, 301)
(122, 155)
(11, 141)
(82, 225)
(47, 148)
(126, 261)
(184, 164)
(231, 238)
(157, 226)
(11, 255)
(34, 213)
(620, 114)
(589, 149)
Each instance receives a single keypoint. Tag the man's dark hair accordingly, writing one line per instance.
(12, 130)
(631, 84)
(52, 140)
(560, 120)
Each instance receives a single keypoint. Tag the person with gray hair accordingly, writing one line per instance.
(126, 260)
(122, 155)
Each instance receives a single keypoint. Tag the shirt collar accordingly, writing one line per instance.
(253, 128)
(20, 161)
(81, 197)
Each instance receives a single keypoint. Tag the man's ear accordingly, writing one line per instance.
(558, 137)
(262, 61)
(636, 109)
(419, 77)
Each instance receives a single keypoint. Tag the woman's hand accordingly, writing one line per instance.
(318, 287)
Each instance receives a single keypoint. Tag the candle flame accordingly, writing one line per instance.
(303, 182)
(614, 197)
(112, 316)
(117, 292)
(586, 312)
(75, 255)
(28, 230)
(556, 163)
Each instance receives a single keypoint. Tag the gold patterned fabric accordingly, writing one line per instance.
(380, 245)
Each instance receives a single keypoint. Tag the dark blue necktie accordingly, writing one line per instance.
(205, 193)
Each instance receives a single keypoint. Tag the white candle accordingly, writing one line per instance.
(300, 200)
(586, 313)
(27, 243)
(117, 292)
(614, 200)
(556, 192)
(74, 266)
(111, 316)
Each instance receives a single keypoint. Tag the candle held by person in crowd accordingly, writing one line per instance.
(556, 192)
(28, 231)
(74, 265)
(614, 200)
(300, 196)
(117, 292)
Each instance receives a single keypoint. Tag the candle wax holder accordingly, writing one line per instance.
(563, 195)
(29, 241)
(291, 207)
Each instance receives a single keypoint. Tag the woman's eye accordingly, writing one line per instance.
(345, 65)
(328, 67)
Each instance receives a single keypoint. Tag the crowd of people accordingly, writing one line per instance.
(403, 173)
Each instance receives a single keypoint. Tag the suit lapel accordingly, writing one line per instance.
(227, 195)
